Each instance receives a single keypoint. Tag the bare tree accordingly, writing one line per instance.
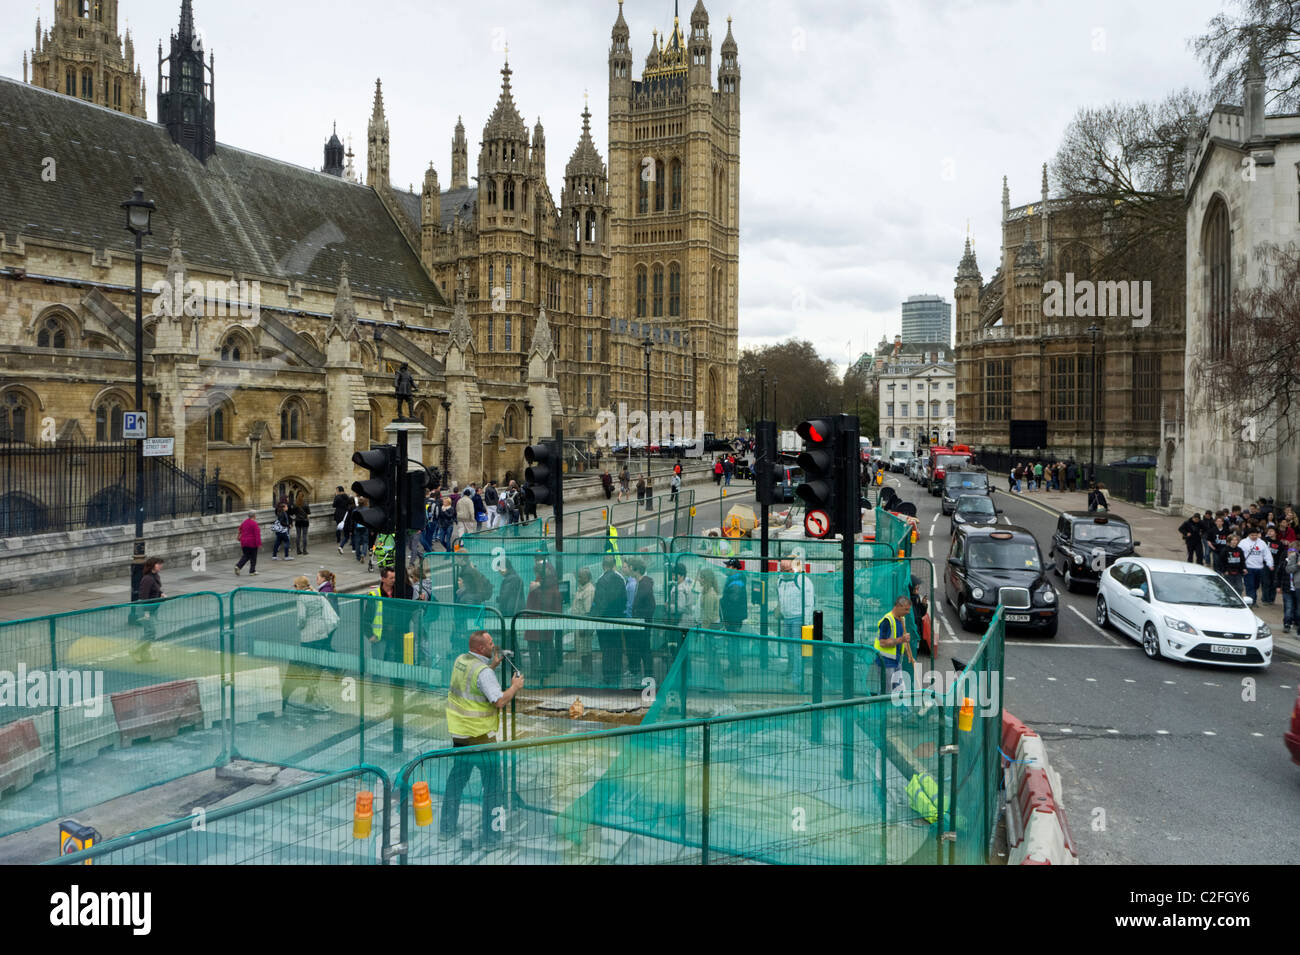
(1253, 390)
(1121, 167)
(1224, 48)
(806, 383)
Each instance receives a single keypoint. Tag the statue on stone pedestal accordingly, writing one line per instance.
(404, 388)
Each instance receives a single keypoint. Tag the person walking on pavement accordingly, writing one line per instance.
(1286, 583)
(583, 600)
(510, 595)
(150, 593)
(1097, 498)
(624, 479)
(340, 507)
(1207, 539)
(301, 523)
(1258, 561)
(317, 622)
(491, 498)
(474, 703)
(465, 513)
(717, 471)
(733, 605)
(281, 527)
(606, 483)
(674, 486)
(1191, 531)
(728, 469)
(640, 655)
(891, 634)
(1277, 551)
(250, 541)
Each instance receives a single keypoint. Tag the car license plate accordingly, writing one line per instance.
(1234, 651)
(1017, 618)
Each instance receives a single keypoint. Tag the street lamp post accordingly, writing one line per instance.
(647, 345)
(1092, 404)
(139, 215)
(762, 393)
(446, 439)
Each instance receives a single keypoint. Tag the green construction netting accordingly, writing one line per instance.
(308, 824)
(894, 531)
(358, 699)
(787, 765)
(75, 677)
(660, 516)
(802, 549)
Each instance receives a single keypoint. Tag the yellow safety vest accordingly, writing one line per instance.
(611, 545)
(469, 713)
(377, 628)
(890, 652)
(923, 796)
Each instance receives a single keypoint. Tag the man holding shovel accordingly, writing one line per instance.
(891, 634)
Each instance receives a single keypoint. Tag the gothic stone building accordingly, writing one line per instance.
(1015, 362)
(1241, 197)
(517, 315)
(83, 55)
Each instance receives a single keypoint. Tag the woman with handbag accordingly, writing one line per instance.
(142, 613)
(317, 622)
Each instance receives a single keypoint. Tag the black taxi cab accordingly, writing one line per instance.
(1086, 543)
(999, 565)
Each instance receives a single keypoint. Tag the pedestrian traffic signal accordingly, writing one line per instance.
(380, 489)
(543, 480)
(819, 462)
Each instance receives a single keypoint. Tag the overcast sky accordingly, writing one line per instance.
(871, 131)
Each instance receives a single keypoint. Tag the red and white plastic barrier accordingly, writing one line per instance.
(1037, 830)
(21, 756)
(157, 712)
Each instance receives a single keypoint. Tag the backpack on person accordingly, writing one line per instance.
(734, 603)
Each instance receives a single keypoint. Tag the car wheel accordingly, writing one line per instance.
(1052, 627)
(1103, 612)
(1151, 642)
(1056, 568)
(967, 621)
(1069, 581)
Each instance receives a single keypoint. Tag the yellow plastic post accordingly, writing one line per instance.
(807, 635)
(692, 510)
(967, 715)
(408, 648)
(604, 514)
(363, 815)
(422, 804)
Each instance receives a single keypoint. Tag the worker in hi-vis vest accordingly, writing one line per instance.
(891, 633)
(474, 702)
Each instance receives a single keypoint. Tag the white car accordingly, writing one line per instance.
(1183, 612)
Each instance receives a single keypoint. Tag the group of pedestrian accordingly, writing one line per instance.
(1052, 476)
(1256, 550)
(724, 468)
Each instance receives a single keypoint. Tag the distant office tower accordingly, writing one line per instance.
(927, 318)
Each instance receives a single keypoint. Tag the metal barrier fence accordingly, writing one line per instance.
(374, 693)
(91, 686)
(658, 516)
(1135, 485)
(813, 772)
(311, 823)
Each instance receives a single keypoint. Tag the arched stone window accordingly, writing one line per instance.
(293, 420)
(642, 191)
(508, 203)
(1077, 261)
(492, 192)
(591, 226)
(17, 417)
(658, 291)
(640, 291)
(1216, 245)
(221, 425)
(108, 416)
(675, 175)
(53, 333)
(660, 185)
(228, 499)
(290, 489)
(511, 423)
(236, 346)
(674, 289)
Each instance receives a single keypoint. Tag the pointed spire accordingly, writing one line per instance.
(1006, 199)
(378, 111)
(461, 335)
(585, 160)
(187, 20)
(968, 268)
(542, 343)
(1044, 182)
(505, 122)
(345, 310)
(620, 31)
(729, 44)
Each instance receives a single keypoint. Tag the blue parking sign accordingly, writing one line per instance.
(134, 424)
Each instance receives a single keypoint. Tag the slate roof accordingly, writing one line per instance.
(241, 212)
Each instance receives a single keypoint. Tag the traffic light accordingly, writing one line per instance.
(416, 483)
(543, 478)
(820, 463)
(767, 472)
(380, 490)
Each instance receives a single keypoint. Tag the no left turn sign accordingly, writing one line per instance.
(816, 524)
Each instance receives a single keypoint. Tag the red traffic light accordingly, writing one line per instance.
(816, 430)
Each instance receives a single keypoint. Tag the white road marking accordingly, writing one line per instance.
(1162, 732)
(1126, 680)
(1170, 683)
(1257, 734)
(1113, 639)
(1207, 683)
(1116, 732)
(930, 545)
(1066, 729)
(1092, 679)
(1209, 732)
(1051, 679)
(1010, 678)
(1050, 644)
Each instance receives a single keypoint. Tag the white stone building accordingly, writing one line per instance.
(1242, 194)
(910, 383)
